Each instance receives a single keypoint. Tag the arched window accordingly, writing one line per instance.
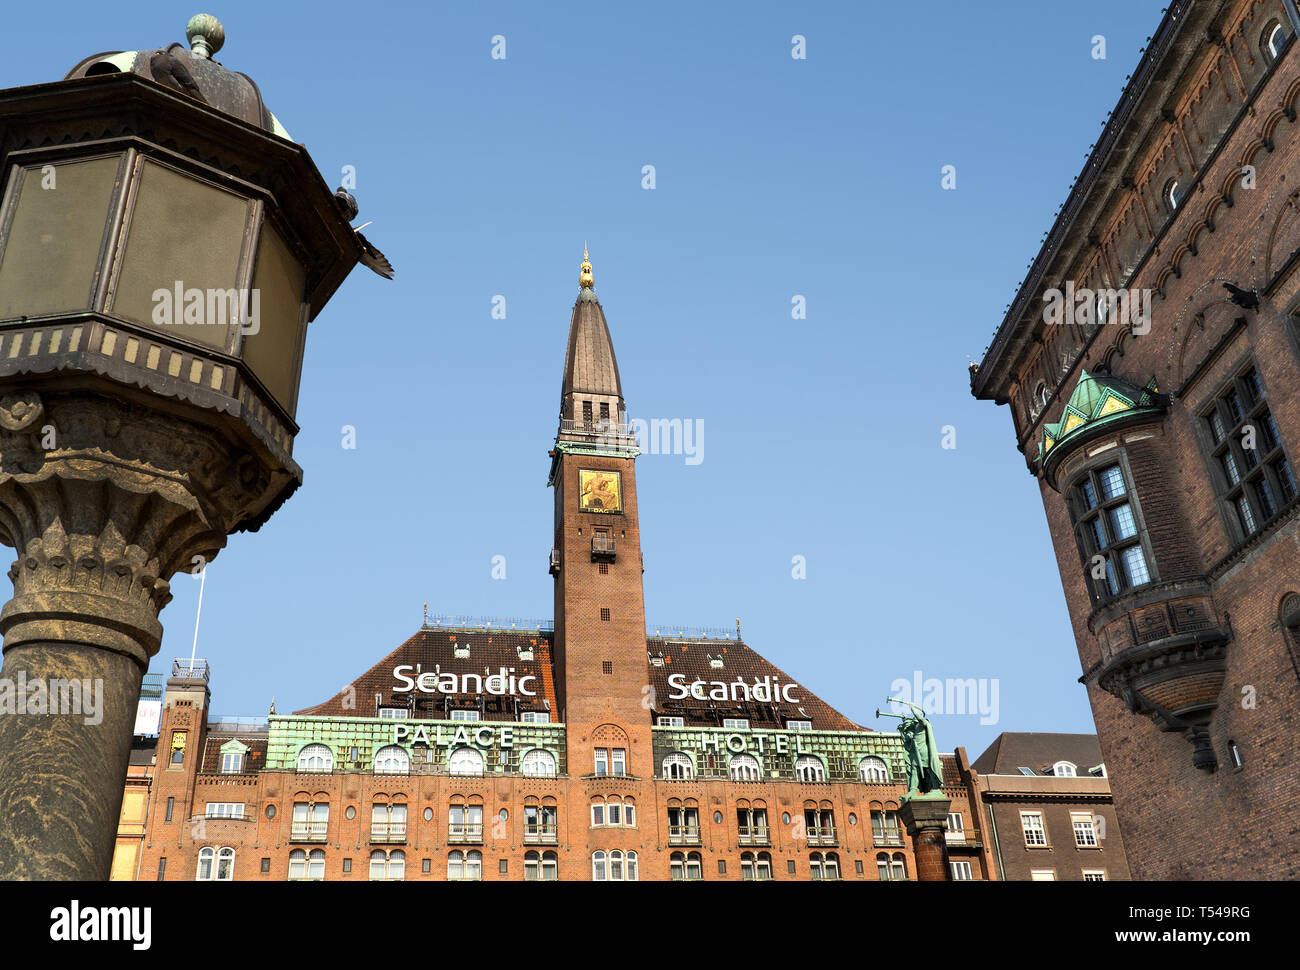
(226, 864)
(614, 866)
(305, 866)
(316, 758)
(465, 865)
(542, 867)
(206, 857)
(387, 865)
(809, 768)
(899, 865)
(1173, 194)
(1275, 38)
(744, 767)
(1041, 394)
(824, 865)
(1289, 615)
(882, 867)
(679, 766)
(686, 866)
(465, 761)
(755, 866)
(538, 763)
(873, 771)
(392, 760)
(1064, 769)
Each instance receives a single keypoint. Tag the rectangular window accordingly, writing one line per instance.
(1085, 830)
(266, 864)
(737, 723)
(961, 871)
(1248, 464)
(426, 865)
(665, 721)
(956, 827)
(604, 613)
(232, 762)
(171, 804)
(464, 715)
(1108, 531)
(393, 713)
(602, 761)
(347, 866)
(1042, 875)
(225, 810)
(722, 866)
(798, 725)
(789, 866)
(503, 866)
(618, 761)
(607, 667)
(1032, 823)
(535, 717)
(1094, 875)
(162, 868)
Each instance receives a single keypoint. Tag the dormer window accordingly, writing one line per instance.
(232, 757)
(1064, 769)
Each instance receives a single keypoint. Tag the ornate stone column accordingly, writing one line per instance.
(125, 498)
(926, 819)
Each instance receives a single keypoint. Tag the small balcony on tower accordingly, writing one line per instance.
(602, 548)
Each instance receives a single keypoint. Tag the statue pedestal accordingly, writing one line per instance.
(926, 818)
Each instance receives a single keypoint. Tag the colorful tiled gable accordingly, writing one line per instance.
(1099, 397)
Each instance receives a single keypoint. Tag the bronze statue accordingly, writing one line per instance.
(924, 770)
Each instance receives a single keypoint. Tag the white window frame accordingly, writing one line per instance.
(873, 770)
(1038, 830)
(392, 759)
(538, 763)
(1084, 825)
(459, 759)
(744, 767)
(1065, 769)
(224, 810)
(464, 714)
(798, 725)
(1094, 875)
(735, 724)
(961, 871)
(669, 721)
(679, 766)
(809, 768)
(316, 754)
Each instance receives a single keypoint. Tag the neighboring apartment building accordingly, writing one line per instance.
(590, 751)
(1048, 810)
(1151, 367)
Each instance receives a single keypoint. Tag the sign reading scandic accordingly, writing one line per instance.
(502, 683)
(766, 689)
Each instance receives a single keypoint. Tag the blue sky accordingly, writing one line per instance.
(775, 177)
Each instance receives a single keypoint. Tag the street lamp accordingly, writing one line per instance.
(163, 246)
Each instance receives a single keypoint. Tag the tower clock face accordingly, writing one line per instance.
(599, 491)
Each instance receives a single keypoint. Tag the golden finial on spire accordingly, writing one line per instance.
(585, 280)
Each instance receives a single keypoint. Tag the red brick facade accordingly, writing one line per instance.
(1193, 675)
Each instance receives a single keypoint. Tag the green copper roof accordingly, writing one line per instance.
(1099, 398)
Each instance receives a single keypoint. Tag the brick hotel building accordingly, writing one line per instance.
(590, 751)
(1164, 442)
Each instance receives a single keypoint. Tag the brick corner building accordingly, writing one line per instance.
(1150, 363)
(586, 749)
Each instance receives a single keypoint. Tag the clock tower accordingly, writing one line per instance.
(600, 640)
